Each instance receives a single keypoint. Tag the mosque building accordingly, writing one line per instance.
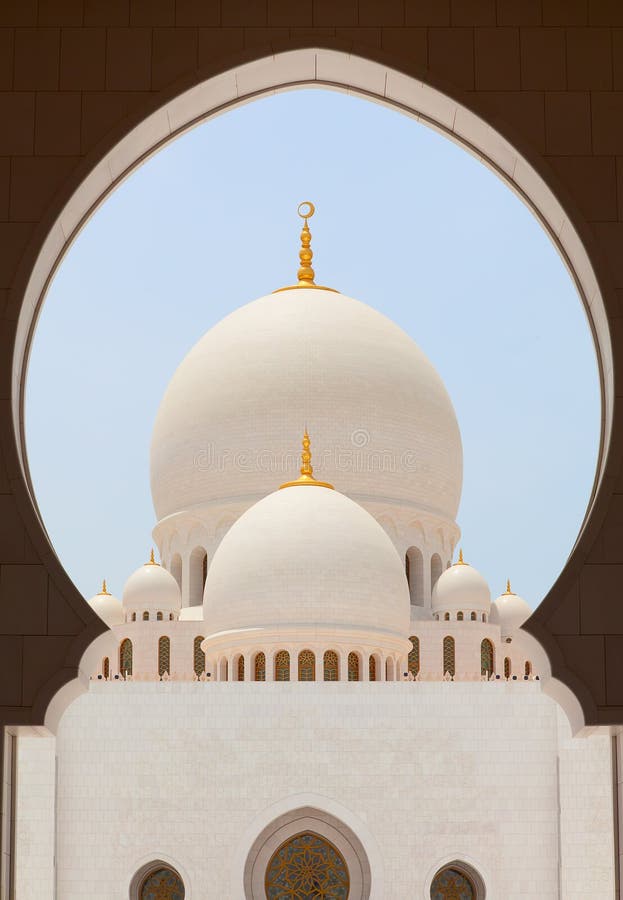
(309, 691)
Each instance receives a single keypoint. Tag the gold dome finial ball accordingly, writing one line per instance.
(306, 209)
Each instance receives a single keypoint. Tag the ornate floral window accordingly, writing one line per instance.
(125, 657)
(307, 866)
(145, 616)
(507, 667)
(199, 657)
(473, 617)
(331, 666)
(106, 667)
(164, 656)
(414, 655)
(162, 884)
(260, 667)
(372, 668)
(528, 668)
(353, 667)
(307, 666)
(486, 657)
(451, 884)
(159, 617)
(282, 666)
(241, 668)
(459, 617)
(448, 656)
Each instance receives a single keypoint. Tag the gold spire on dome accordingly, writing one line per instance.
(307, 470)
(152, 559)
(460, 561)
(508, 588)
(104, 589)
(305, 274)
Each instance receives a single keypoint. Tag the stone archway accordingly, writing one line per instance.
(579, 658)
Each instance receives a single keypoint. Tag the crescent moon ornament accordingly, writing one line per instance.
(306, 209)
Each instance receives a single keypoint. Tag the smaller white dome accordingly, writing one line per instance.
(107, 607)
(510, 610)
(151, 588)
(461, 587)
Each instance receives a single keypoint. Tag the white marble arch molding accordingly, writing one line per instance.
(323, 817)
(463, 863)
(149, 864)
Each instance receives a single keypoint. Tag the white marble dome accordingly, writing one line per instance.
(307, 559)
(107, 607)
(383, 424)
(461, 587)
(151, 588)
(510, 611)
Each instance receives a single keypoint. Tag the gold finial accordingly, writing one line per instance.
(152, 559)
(104, 589)
(508, 587)
(460, 561)
(305, 274)
(307, 470)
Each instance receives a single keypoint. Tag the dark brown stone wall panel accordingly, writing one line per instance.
(83, 59)
(594, 183)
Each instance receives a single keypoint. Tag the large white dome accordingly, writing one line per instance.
(306, 560)
(383, 424)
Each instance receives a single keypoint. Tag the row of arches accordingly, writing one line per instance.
(461, 616)
(377, 668)
(415, 569)
(146, 616)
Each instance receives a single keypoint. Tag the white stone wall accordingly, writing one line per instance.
(34, 818)
(435, 771)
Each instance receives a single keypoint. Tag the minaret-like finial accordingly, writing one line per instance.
(104, 589)
(508, 587)
(307, 470)
(460, 561)
(305, 275)
(152, 559)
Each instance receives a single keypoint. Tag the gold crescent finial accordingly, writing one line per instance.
(152, 559)
(508, 586)
(104, 589)
(460, 561)
(307, 470)
(305, 275)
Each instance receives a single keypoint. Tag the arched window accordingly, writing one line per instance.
(484, 617)
(164, 656)
(159, 617)
(171, 617)
(204, 569)
(446, 617)
(459, 617)
(528, 668)
(199, 657)
(331, 666)
(436, 568)
(507, 667)
(197, 565)
(448, 656)
(145, 616)
(307, 666)
(282, 666)
(452, 884)
(106, 667)
(414, 655)
(353, 667)
(176, 569)
(241, 668)
(161, 882)
(125, 657)
(260, 667)
(414, 567)
(134, 617)
(372, 667)
(307, 865)
(486, 657)
(473, 617)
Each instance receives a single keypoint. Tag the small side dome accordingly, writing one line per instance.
(107, 607)
(461, 587)
(510, 611)
(151, 588)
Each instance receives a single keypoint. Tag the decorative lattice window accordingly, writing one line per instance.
(372, 668)
(353, 667)
(507, 667)
(162, 884)
(282, 666)
(125, 657)
(307, 865)
(473, 617)
(486, 657)
(106, 667)
(459, 617)
(159, 617)
(164, 656)
(145, 616)
(199, 657)
(241, 668)
(414, 655)
(448, 656)
(450, 884)
(528, 668)
(331, 666)
(307, 666)
(260, 667)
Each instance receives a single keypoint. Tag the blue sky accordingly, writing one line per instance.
(407, 222)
